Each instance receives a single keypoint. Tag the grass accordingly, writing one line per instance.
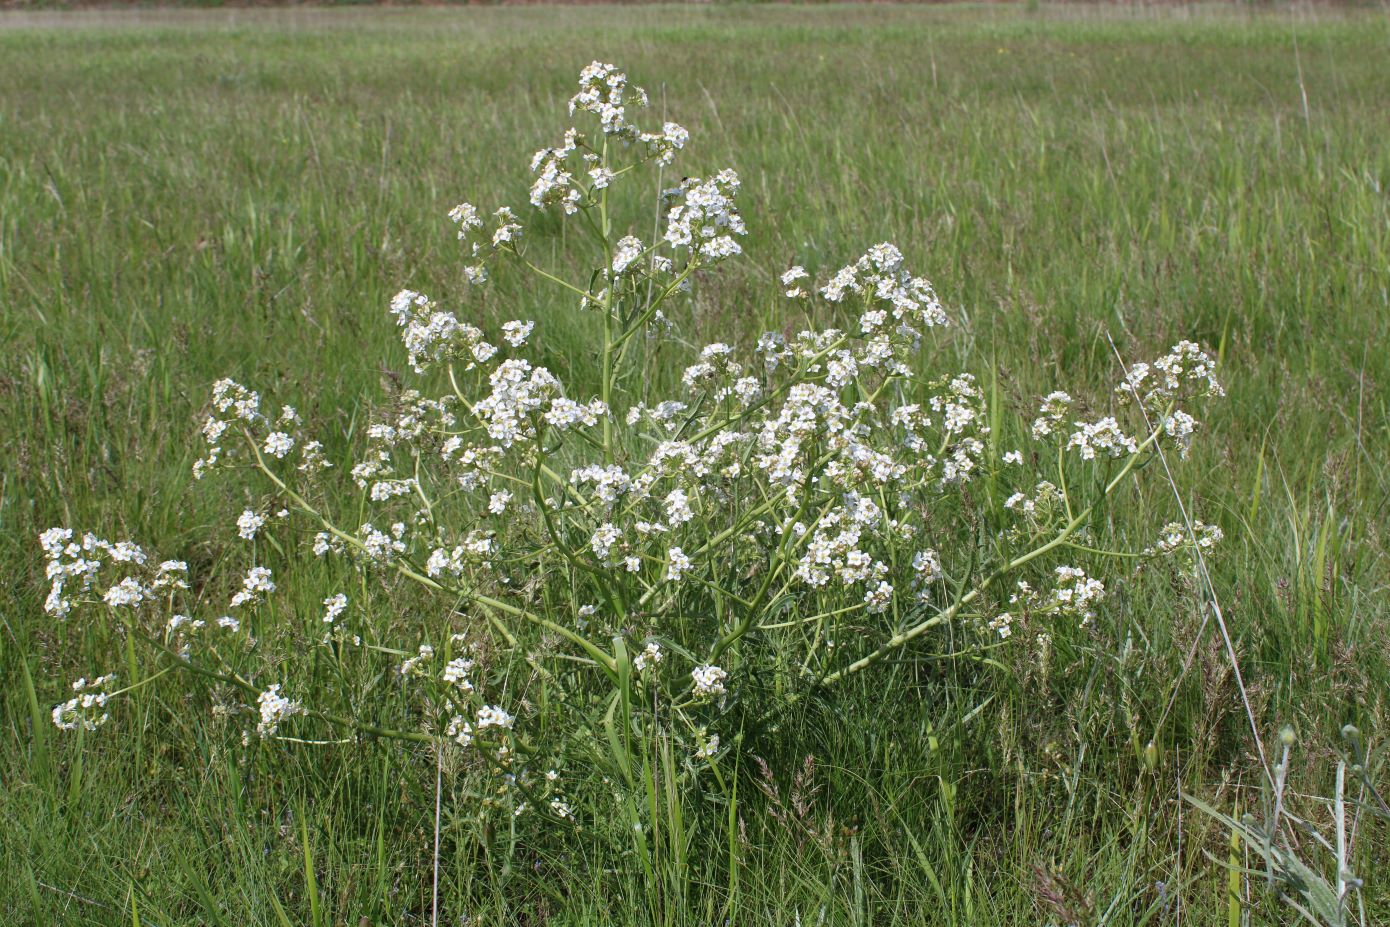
(185, 197)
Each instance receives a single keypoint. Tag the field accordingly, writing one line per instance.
(189, 196)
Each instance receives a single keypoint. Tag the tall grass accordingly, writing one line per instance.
(189, 198)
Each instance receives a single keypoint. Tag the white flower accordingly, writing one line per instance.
(126, 594)
(1180, 427)
(880, 275)
(492, 716)
(879, 598)
(278, 444)
(1050, 414)
(258, 581)
(1002, 624)
(274, 708)
(248, 523)
(789, 280)
(411, 665)
(516, 332)
(1174, 537)
(1013, 458)
(1076, 594)
(334, 606)
(456, 673)
(604, 539)
(87, 708)
(708, 681)
(676, 564)
(460, 731)
(625, 254)
(497, 503)
(705, 220)
(466, 217)
(927, 565)
(1104, 435)
(678, 510)
(650, 656)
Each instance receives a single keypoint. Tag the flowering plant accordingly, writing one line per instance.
(527, 576)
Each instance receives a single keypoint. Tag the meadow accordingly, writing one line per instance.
(187, 196)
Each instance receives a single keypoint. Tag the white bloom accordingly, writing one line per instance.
(1104, 435)
(258, 581)
(492, 716)
(334, 606)
(460, 731)
(126, 594)
(1180, 427)
(87, 708)
(411, 665)
(516, 332)
(927, 565)
(879, 598)
(676, 564)
(604, 539)
(708, 681)
(248, 523)
(678, 510)
(1050, 414)
(274, 708)
(705, 220)
(456, 673)
(651, 655)
(789, 281)
(625, 254)
(497, 503)
(278, 444)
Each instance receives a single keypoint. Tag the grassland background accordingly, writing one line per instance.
(184, 197)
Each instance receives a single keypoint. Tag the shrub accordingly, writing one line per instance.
(528, 579)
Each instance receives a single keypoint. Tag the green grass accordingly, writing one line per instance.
(185, 197)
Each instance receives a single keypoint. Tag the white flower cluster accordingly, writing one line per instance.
(604, 92)
(74, 567)
(238, 409)
(87, 709)
(1174, 539)
(1040, 507)
(334, 606)
(523, 397)
(708, 681)
(484, 245)
(1076, 594)
(889, 292)
(432, 335)
(650, 657)
(1054, 408)
(489, 717)
(704, 219)
(1184, 372)
(274, 708)
(248, 523)
(1101, 436)
(257, 583)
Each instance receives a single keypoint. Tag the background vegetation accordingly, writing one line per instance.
(185, 198)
